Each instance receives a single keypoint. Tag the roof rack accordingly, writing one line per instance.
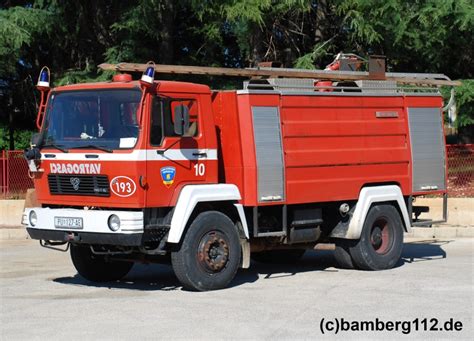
(306, 85)
(420, 79)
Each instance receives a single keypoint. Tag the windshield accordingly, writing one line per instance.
(96, 118)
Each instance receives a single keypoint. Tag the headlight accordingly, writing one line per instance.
(114, 222)
(33, 218)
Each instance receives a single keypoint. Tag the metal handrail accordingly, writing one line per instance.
(395, 89)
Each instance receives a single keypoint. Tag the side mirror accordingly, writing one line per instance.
(181, 120)
(35, 139)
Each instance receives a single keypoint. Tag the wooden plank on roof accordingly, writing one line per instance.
(270, 73)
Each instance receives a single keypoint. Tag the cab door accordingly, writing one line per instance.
(172, 160)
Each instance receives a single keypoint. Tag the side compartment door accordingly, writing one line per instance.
(269, 154)
(427, 148)
(172, 160)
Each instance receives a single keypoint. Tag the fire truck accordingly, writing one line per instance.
(152, 171)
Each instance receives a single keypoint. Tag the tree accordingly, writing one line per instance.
(73, 37)
(465, 103)
(20, 30)
(420, 36)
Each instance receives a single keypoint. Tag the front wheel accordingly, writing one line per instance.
(97, 268)
(209, 255)
(381, 241)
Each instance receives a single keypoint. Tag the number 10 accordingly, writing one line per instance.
(199, 169)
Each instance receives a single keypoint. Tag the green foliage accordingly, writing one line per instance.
(248, 10)
(423, 36)
(261, 29)
(21, 138)
(308, 60)
(465, 103)
(137, 24)
(19, 28)
(83, 76)
(73, 37)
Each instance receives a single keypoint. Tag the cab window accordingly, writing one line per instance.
(162, 118)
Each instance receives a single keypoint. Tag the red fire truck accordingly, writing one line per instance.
(147, 171)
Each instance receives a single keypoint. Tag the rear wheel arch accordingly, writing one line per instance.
(380, 243)
(368, 197)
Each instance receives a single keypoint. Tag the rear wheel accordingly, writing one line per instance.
(97, 268)
(381, 241)
(209, 255)
(278, 256)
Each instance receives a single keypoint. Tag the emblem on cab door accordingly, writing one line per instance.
(75, 183)
(167, 174)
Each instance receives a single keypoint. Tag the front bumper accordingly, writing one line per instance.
(87, 238)
(94, 229)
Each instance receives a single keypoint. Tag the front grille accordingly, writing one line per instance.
(72, 184)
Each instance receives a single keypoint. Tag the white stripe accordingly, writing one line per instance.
(137, 155)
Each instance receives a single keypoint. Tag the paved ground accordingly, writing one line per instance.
(41, 297)
(442, 231)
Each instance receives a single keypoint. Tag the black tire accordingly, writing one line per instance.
(381, 241)
(278, 256)
(209, 256)
(96, 268)
(342, 254)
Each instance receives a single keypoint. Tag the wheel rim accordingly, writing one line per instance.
(213, 252)
(381, 236)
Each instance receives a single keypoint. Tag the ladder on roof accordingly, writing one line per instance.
(420, 79)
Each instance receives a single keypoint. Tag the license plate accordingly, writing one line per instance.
(68, 222)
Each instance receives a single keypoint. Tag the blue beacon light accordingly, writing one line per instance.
(43, 79)
(148, 75)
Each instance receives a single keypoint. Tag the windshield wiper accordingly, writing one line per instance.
(92, 146)
(57, 146)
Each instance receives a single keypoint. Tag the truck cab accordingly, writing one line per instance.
(112, 147)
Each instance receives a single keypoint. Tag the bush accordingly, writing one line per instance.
(21, 138)
(464, 96)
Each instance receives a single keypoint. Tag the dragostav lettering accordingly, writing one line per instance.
(75, 168)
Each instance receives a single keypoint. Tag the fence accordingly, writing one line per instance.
(460, 170)
(15, 180)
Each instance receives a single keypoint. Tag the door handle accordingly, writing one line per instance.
(201, 154)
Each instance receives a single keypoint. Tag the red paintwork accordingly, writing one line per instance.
(155, 194)
(333, 146)
(162, 86)
(111, 168)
